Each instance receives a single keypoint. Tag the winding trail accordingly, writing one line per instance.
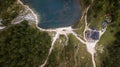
(90, 46)
(53, 42)
(66, 31)
(60, 31)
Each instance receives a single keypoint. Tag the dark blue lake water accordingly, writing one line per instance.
(56, 13)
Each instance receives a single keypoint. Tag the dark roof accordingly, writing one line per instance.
(95, 35)
(104, 24)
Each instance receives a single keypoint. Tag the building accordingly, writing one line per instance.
(92, 35)
(95, 35)
(104, 24)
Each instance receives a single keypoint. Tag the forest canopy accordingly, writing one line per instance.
(23, 46)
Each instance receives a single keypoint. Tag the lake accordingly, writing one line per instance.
(56, 13)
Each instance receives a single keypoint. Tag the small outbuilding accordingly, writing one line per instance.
(104, 24)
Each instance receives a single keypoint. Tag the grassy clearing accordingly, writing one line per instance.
(82, 56)
(96, 14)
(72, 55)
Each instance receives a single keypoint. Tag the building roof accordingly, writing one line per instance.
(92, 35)
(104, 24)
(95, 35)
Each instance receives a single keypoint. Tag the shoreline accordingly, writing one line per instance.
(90, 46)
(37, 16)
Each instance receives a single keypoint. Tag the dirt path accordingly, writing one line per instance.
(66, 31)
